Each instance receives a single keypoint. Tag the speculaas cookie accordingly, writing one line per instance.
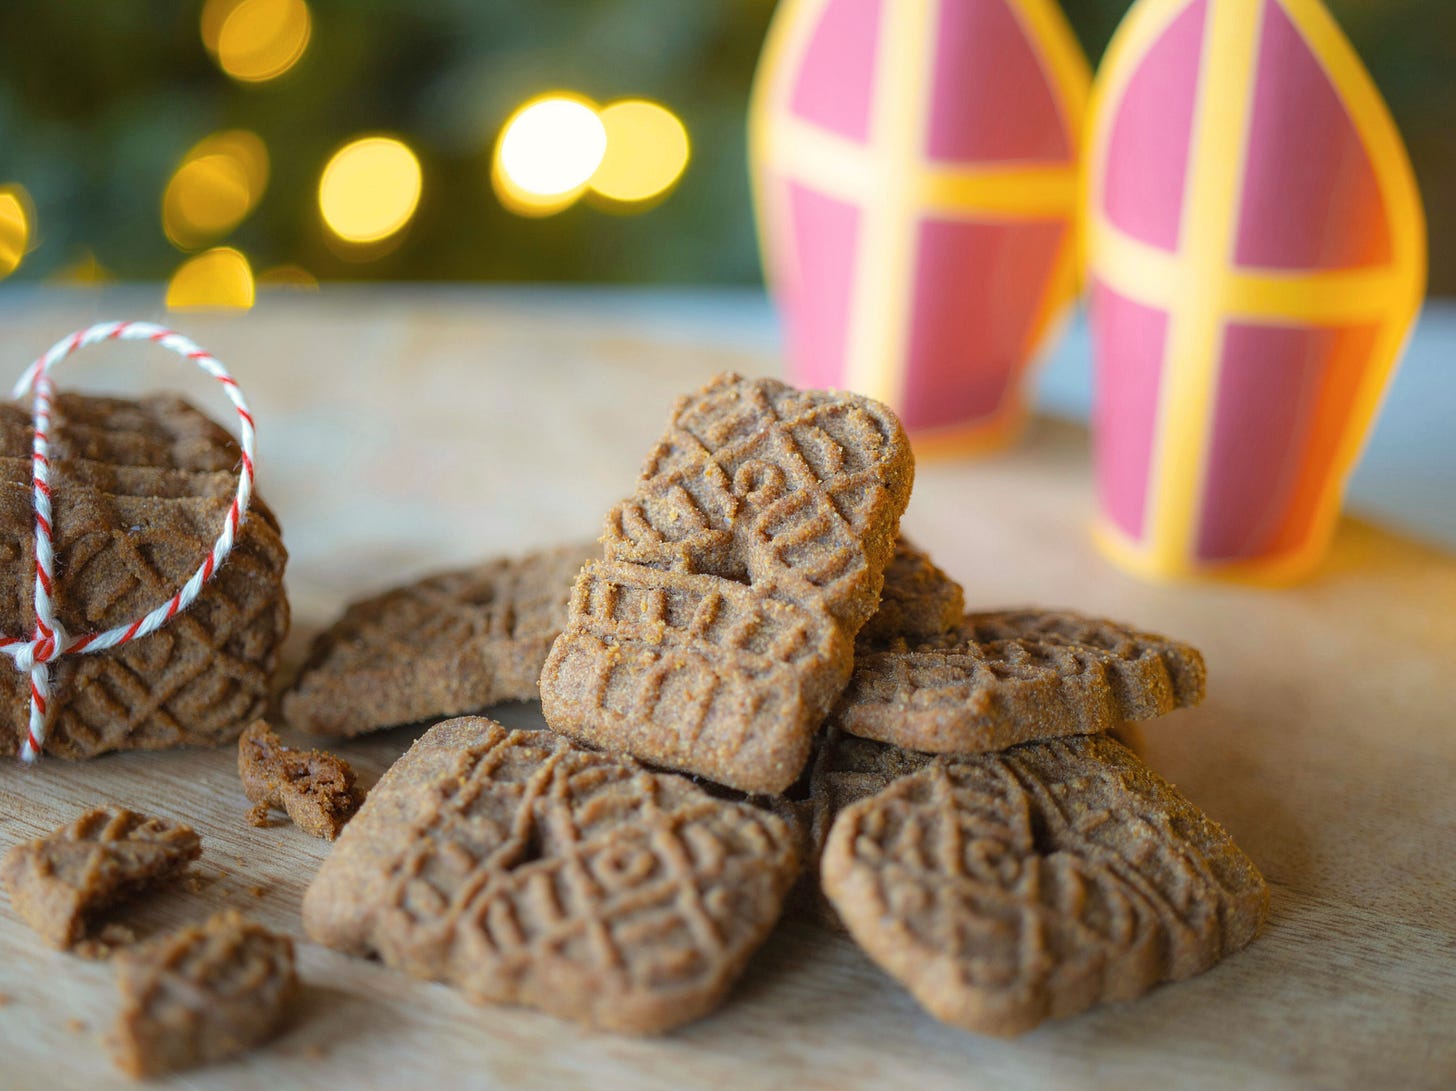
(719, 627)
(919, 601)
(200, 994)
(1004, 678)
(140, 491)
(58, 882)
(455, 642)
(1005, 889)
(525, 869)
(315, 788)
(844, 770)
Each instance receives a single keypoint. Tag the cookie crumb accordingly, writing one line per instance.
(6, 1000)
(315, 788)
(257, 891)
(76, 1026)
(111, 937)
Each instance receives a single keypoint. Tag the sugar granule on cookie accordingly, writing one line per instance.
(60, 881)
(999, 679)
(524, 869)
(200, 994)
(718, 628)
(451, 643)
(140, 490)
(315, 788)
(1006, 889)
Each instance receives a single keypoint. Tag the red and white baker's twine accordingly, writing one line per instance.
(50, 640)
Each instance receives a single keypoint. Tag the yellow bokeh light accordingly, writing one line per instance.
(14, 228)
(218, 183)
(370, 189)
(85, 270)
(256, 40)
(547, 151)
(288, 276)
(219, 279)
(647, 151)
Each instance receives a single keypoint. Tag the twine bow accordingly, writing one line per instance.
(50, 640)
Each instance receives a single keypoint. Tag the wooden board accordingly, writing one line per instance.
(403, 432)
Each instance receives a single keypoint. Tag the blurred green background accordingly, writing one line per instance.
(100, 100)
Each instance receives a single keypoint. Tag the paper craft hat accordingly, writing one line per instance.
(915, 170)
(1256, 256)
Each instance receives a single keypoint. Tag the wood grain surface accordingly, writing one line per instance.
(401, 432)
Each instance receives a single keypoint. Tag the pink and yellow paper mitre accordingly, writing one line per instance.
(915, 166)
(1256, 256)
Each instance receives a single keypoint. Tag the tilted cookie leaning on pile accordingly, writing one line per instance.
(753, 620)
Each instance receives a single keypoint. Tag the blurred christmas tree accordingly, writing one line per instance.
(101, 100)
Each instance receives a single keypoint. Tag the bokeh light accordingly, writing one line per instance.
(647, 151)
(295, 277)
(217, 184)
(84, 271)
(370, 189)
(546, 153)
(256, 40)
(219, 279)
(15, 227)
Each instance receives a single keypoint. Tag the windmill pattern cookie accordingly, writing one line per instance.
(200, 994)
(719, 627)
(451, 643)
(59, 882)
(1006, 889)
(523, 869)
(1004, 678)
(140, 488)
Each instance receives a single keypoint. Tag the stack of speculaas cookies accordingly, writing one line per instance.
(754, 674)
(141, 488)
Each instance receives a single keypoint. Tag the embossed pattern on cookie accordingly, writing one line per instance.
(58, 882)
(1006, 889)
(451, 643)
(524, 869)
(1015, 676)
(201, 993)
(140, 489)
(719, 627)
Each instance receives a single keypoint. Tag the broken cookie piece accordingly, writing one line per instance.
(200, 994)
(315, 788)
(108, 853)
